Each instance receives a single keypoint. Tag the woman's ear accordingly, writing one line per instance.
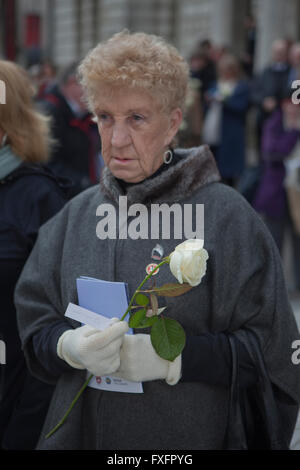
(175, 120)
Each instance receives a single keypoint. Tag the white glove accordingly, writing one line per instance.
(140, 362)
(88, 348)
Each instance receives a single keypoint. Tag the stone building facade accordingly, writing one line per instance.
(67, 29)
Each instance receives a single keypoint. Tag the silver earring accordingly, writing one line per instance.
(168, 156)
(4, 139)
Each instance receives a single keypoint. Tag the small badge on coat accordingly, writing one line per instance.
(151, 267)
(157, 252)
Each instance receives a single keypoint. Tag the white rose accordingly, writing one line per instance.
(188, 261)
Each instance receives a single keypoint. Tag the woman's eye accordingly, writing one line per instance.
(103, 117)
(137, 118)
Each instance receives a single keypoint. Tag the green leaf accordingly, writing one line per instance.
(141, 299)
(172, 289)
(167, 338)
(136, 318)
(147, 322)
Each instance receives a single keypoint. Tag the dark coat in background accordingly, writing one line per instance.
(76, 153)
(271, 82)
(230, 152)
(29, 196)
(243, 289)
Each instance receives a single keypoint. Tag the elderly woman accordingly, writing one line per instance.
(29, 196)
(135, 85)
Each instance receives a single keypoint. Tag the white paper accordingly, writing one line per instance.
(87, 317)
(108, 383)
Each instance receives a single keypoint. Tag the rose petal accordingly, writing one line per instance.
(191, 244)
(175, 264)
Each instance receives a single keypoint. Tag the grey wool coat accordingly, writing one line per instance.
(243, 288)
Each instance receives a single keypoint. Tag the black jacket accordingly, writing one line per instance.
(29, 196)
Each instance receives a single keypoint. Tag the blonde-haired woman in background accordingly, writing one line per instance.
(29, 195)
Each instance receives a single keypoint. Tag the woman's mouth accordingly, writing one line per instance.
(123, 160)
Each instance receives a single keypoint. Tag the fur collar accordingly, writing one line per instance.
(196, 168)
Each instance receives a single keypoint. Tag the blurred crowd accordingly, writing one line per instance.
(251, 121)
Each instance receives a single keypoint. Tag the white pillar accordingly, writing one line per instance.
(222, 22)
(275, 19)
(228, 24)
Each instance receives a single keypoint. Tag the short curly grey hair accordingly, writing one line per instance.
(136, 60)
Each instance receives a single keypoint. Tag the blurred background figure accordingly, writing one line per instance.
(225, 121)
(202, 65)
(189, 134)
(34, 73)
(43, 76)
(294, 58)
(280, 143)
(250, 43)
(47, 78)
(271, 85)
(77, 152)
(29, 196)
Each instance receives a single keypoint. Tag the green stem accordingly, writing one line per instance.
(61, 422)
(70, 407)
(164, 261)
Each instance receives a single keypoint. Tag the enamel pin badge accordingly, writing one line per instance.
(150, 267)
(157, 254)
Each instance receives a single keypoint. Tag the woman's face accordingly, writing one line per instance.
(134, 132)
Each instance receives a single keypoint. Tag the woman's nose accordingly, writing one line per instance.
(120, 135)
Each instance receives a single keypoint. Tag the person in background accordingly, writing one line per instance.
(43, 77)
(77, 152)
(228, 102)
(29, 196)
(250, 43)
(280, 139)
(202, 67)
(48, 73)
(269, 86)
(294, 56)
(189, 134)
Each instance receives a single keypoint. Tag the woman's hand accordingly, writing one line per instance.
(140, 363)
(88, 348)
